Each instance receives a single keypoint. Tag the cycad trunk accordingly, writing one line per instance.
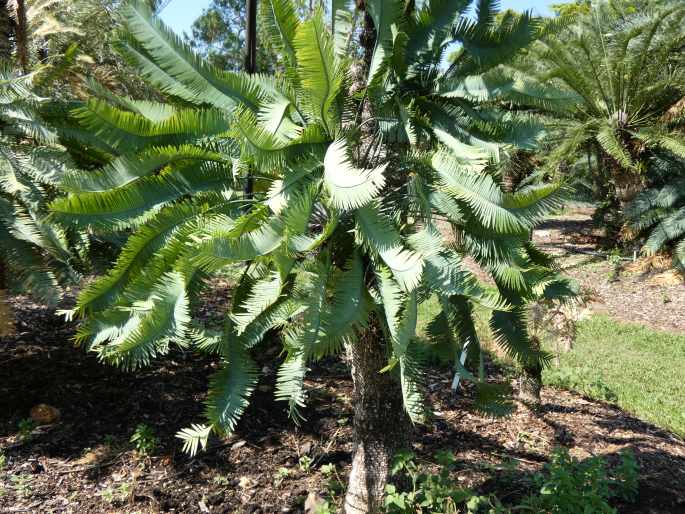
(381, 426)
(6, 30)
(530, 381)
(21, 36)
(6, 314)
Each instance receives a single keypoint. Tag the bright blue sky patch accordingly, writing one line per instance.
(180, 14)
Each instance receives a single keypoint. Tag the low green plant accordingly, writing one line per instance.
(108, 495)
(144, 439)
(305, 463)
(627, 477)
(3, 460)
(334, 484)
(21, 485)
(565, 486)
(26, 427)
(569, 486)
(614, 259)
(434, 493)
(119, 494)
(281, 475)
(221, 480)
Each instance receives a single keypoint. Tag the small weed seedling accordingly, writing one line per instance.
(281, 475)
(305, 464)
(3, 460)
(429, 492)
(614, 259)
(22, 485)
(26, 428)
(334, 485)
(144, 439)
(221, 480)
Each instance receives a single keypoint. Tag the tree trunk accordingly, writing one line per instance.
(6, 314)
(530, 381)
(381, 425)
(6, 31)
(21, 36)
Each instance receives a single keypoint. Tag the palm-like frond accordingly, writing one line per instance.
(335, 232)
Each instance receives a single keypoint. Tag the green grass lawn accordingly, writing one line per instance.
(640, 369)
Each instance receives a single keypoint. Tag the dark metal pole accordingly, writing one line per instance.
(251, 56)
(251, 67)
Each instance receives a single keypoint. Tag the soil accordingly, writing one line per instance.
(84, 462)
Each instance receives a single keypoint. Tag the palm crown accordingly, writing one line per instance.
(625, 72)
(350, 181)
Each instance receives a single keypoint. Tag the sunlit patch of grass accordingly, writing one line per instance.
(640, 369)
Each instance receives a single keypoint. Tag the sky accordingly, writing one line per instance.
(180, 14)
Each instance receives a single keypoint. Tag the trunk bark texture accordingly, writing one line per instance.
(6, 314)
(21, 36)
(530, 381)
(381, 426)
(6, 31)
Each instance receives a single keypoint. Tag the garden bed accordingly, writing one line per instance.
(85, 463)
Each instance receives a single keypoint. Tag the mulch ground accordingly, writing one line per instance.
(639, 294)
(85, 464)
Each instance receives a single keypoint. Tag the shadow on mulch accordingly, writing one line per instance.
(61, 470)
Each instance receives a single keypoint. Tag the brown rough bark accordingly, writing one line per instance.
(21, 36)
(381, 426)
(6, 32)
(530, 381)
(6, 314)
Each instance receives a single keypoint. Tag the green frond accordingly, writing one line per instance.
(670, 228)
(230, 388)
(319, 70)
(163, 317)
(385, 14)
(608, 139)
(127, 168)
(348, 186)
(378, 233)
(137, 202)
(222, 247)
(412, 382)
(290, 383)
(263, 295)
(141, 248)
(128, 131)
(282, 24)
(207, 85)
(194, 438)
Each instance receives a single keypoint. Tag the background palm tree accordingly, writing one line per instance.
(626, 71)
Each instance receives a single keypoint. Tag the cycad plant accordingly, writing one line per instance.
(357, 166)
(33, 252)
(658, 212)
(625, 69)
